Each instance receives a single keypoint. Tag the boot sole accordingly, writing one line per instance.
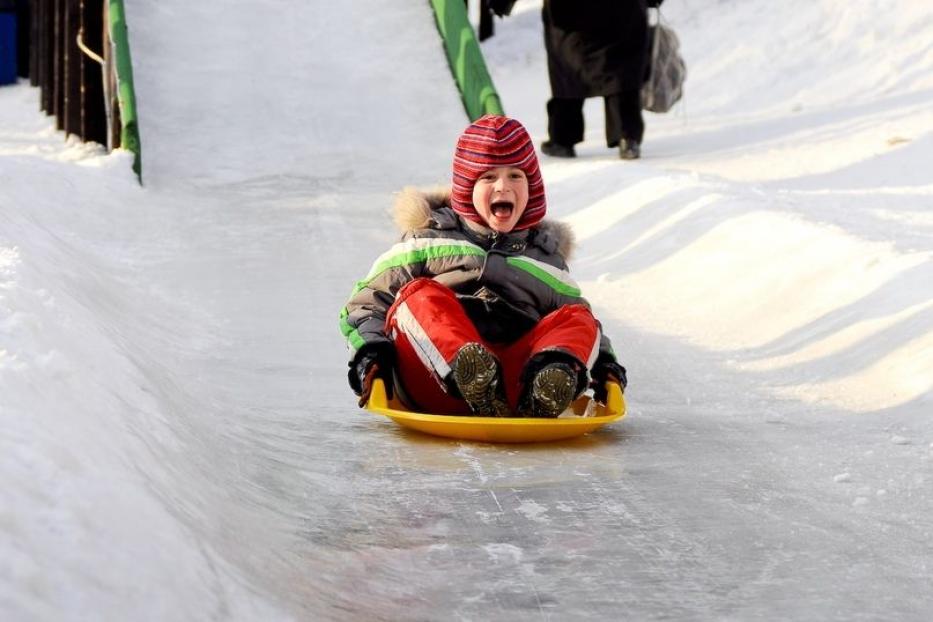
(552, 392)
(476, 376)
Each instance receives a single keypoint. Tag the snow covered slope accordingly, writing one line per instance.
(176, 437)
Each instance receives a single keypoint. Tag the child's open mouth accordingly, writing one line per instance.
(502, 209)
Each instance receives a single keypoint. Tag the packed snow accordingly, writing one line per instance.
(177, 440)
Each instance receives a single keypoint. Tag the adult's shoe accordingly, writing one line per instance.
(557, 150)
(629, 149)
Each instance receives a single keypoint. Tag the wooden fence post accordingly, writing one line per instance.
(46, 56)
(72, 74)
(58, 64)
(34, 42)
(93, 110)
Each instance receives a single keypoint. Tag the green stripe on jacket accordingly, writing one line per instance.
(414, 256)
(548, 279)
(405, 258)
(352, 335)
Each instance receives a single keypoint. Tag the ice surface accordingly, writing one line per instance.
(177, 441)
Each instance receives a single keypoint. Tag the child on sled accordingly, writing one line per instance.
(474, 311)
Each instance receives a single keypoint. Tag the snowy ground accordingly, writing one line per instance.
(176, 437)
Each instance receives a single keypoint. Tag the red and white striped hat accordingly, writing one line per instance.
(490, 142)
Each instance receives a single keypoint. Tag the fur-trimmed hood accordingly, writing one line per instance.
(418, 208)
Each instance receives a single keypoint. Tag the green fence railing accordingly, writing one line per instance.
(466, 59)
(126, 94)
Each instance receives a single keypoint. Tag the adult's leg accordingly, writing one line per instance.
(624, 118)
(565, 120)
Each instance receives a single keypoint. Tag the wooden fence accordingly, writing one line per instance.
(77, 53)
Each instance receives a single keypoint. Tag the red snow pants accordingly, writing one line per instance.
(429, 326)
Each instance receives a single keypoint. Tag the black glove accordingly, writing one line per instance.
(606, 369)
(501, 7)
(371, 362)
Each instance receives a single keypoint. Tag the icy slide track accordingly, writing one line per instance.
(186, 448)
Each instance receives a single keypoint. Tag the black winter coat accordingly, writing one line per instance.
(595, 47)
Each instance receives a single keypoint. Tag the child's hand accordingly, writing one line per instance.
(370, 363)
(373, 372)
(606, 369)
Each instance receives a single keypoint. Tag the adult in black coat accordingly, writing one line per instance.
(596, 48)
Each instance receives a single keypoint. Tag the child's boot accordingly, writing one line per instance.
(476, 375)
(552, 390)
(555, 381)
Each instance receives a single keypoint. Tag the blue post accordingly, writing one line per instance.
(8, 65)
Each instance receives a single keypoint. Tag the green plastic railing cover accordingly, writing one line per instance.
(466, 59)
(126, 95)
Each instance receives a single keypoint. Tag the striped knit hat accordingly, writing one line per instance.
(489, 142)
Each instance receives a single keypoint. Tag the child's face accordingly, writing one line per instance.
(500, 196)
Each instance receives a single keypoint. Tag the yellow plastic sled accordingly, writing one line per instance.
(504, 429)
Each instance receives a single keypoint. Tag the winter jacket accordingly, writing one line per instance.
(595, 48)
(505, 282)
